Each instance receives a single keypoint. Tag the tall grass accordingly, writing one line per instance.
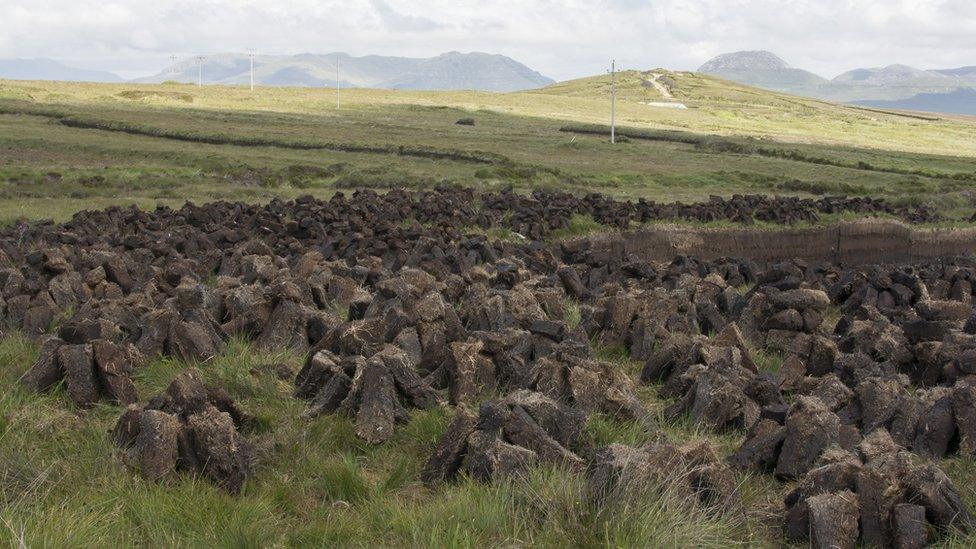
(64, 484)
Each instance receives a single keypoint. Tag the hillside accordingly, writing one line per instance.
(716, 106)
(731, 139)
(722, 106)
(697, 90)
(449, 71)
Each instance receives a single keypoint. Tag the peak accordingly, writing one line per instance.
(744, 60)
(468, 54)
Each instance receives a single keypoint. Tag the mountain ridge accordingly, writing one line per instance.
(447, 71)
(904, 85)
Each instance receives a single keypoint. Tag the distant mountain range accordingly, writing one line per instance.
(449, 71)
(960, 101)
(894, 86)
(46, 69)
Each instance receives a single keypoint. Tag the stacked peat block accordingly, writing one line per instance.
(91, 370)
(507, 437)
(189, 427)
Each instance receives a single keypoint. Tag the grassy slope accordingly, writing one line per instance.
(718, 107)
(101, 167)
(725, 107)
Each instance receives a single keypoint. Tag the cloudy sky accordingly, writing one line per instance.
(560, 38)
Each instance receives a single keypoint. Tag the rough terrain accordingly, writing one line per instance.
(400, 302)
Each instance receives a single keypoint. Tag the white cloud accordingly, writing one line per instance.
(561, 38)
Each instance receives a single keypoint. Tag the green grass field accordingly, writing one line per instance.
(66, 147)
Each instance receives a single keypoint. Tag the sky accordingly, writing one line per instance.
(562, 39)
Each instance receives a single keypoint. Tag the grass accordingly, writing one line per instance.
(579, 225)
(63, 482)
(571, 313)
(718, 107)
(753, 147)
(767, 361)
(67, 146)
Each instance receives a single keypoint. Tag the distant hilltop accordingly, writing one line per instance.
(744, 61)
(893, 86)
(762, 69)
(448, 71)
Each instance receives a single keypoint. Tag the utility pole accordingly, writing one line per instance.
(200, 71)
(173, 59)
(337, 82)
(613, 101)
(251, 55)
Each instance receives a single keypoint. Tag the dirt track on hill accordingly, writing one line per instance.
(853, 243)
(661, 88)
